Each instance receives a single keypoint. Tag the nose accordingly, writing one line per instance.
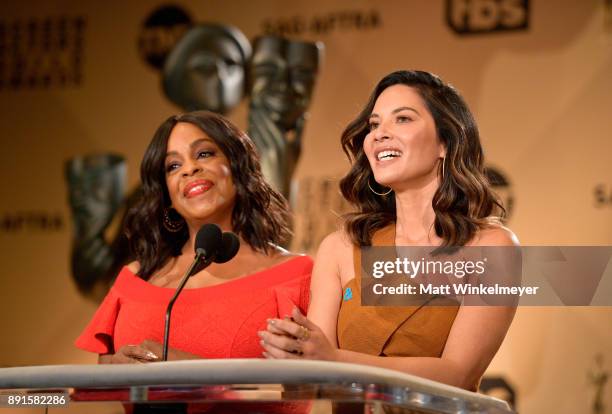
(221, 68)
(191, 168)
(381, 133)
(281, 80)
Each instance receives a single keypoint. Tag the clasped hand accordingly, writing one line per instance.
(296, 338)
(287, 338)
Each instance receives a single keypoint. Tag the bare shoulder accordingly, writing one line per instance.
(134, 266)
(495, 234)
(337, 243)
(335, 256)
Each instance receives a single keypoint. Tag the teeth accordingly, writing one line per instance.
(196, 188)
(388, 154)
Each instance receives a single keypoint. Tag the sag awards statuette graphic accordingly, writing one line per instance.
(96, 186)
(598, 378)
(283, 74)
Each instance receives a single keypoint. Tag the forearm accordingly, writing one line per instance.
(436, 369)
(147, 351)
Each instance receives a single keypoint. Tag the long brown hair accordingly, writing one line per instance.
(463, 202)
(260, 214)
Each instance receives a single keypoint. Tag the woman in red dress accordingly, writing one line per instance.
(198, 169)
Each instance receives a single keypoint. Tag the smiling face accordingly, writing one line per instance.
(402, 147)
(198, 177)
(283, 74)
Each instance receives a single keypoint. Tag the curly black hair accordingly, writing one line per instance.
(260, 214)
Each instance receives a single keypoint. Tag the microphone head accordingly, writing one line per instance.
(208, 239)
(229, 247)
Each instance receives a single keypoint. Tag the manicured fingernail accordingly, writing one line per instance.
(151, 355)
(261, 334)
(271, 321)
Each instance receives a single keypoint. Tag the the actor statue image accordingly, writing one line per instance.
(206, 68)
(282, 75)
(96, 186)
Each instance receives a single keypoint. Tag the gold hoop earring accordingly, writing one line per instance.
(172, 224)
(377, 193)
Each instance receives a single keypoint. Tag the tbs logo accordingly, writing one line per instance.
(485, 16)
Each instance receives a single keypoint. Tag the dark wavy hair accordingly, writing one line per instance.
(464, 201)
(260, 214)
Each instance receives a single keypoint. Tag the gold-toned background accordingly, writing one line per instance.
(542, 97)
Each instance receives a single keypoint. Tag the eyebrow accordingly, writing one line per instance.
(396, 110)
(192, 145)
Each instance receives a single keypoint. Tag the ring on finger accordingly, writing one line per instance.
(304, 334)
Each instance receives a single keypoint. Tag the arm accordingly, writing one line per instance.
(475, 337)
(147, 351)
(128, 354)
(326, 285)
(473, 341)
(325, 296)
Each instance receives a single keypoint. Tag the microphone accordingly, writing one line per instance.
(207, 243)
(210, 246)
(229, 247)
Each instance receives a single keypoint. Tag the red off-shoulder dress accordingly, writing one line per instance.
(219, 321)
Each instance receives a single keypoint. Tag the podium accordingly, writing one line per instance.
(245, 385)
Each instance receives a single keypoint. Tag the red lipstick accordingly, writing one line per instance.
(196, 188)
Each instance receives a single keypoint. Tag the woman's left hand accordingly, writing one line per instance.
(297, 338)
(173, 354)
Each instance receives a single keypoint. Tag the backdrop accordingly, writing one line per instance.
(81, 77)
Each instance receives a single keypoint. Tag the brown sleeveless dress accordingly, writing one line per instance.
(399, 331)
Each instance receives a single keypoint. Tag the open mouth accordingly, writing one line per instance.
(388, 155)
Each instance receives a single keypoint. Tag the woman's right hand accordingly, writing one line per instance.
(296, 338)
(129, 354)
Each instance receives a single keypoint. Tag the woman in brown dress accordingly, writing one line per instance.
(417, 179)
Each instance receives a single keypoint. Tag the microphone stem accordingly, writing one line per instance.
(180, 287)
